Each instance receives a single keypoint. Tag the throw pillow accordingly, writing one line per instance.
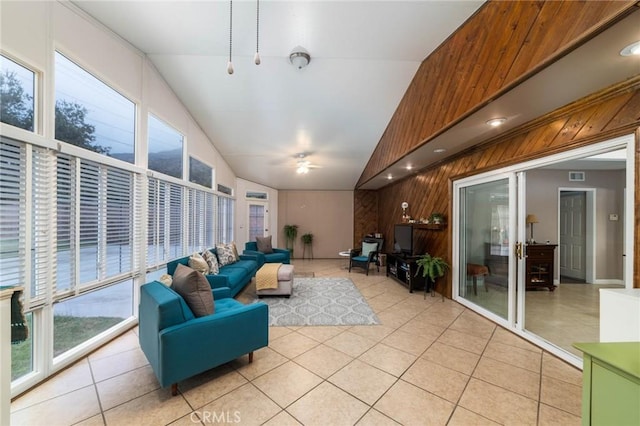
(212, 261)
(367, 248)
(197, 262)
(166, 280)
(194, 289)
(235, 250)
(225, 254)
(264, 244)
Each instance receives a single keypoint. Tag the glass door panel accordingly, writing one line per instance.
(256, 221)
(484, 246)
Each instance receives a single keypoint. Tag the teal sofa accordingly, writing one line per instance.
(278, 255)
(234, 276)
(179, 346)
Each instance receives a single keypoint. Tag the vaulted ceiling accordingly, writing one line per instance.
(335, 111)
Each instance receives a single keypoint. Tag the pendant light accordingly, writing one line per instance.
(229, 64)
(256, 58)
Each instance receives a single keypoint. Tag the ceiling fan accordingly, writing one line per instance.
(303, 166)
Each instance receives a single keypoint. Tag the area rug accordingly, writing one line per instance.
(321, 301)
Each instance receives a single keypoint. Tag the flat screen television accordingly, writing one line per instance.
(403, 239)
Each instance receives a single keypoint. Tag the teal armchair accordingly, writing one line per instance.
(179, 346)
(278, 255)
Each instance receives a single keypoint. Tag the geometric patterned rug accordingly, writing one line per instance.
(321, 301)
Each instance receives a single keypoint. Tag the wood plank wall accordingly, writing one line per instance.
(503, 44)
(610, 113)
(365, 215)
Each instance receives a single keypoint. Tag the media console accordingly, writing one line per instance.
(403, 269)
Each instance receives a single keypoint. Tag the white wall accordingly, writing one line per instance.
(30, 31)
(542, 200)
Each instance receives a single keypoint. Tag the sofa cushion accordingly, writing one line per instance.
(264, 244)
(235, 275)
(212, 261)
(226, 254)
(197, 262)
(276, 257)
(194, 289)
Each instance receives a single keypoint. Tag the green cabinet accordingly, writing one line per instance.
(610, 383)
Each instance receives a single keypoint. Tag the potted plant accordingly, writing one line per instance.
(307, 241)
(432, 268)
(436, 218)
(290, 234)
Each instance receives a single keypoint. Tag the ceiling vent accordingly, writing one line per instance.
(576, 176)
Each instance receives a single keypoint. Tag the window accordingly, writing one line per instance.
(16, 94)
(225, 219)
(181, 220)
(225, 189)
(92, 115)
(165, 148)
(253, 195)
(200, 173)
(100, 200)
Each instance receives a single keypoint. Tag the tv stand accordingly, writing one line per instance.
(403, 268)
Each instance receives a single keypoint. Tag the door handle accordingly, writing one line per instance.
(519, 250)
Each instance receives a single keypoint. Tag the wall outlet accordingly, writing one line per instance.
(613, 216)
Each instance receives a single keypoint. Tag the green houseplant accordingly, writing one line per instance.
(290, 234)
(432, 267)
(436, 218)
(307, 243)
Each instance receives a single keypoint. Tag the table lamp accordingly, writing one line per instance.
(530, 220)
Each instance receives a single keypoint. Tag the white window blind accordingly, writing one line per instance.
(43, 233)
(224, 232)
(12, 213)
(65, 223)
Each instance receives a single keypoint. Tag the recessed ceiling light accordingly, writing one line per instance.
(495, 122)
(439, 150)
(632, 49)
(409, 167)
(389, 176)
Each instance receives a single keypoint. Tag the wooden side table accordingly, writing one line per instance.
(539, 266)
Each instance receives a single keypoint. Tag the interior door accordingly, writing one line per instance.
(258, 220)
(573, 239)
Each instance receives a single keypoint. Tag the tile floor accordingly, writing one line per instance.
(429, 362)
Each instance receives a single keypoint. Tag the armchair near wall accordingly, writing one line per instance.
(262, 250)
(367, 254)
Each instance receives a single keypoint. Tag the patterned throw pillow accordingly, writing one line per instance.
(197, 263)
(226, 255)
(212, 261)
(166, 279)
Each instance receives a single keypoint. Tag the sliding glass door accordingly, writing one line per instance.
(492, 238)
(485, 248)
